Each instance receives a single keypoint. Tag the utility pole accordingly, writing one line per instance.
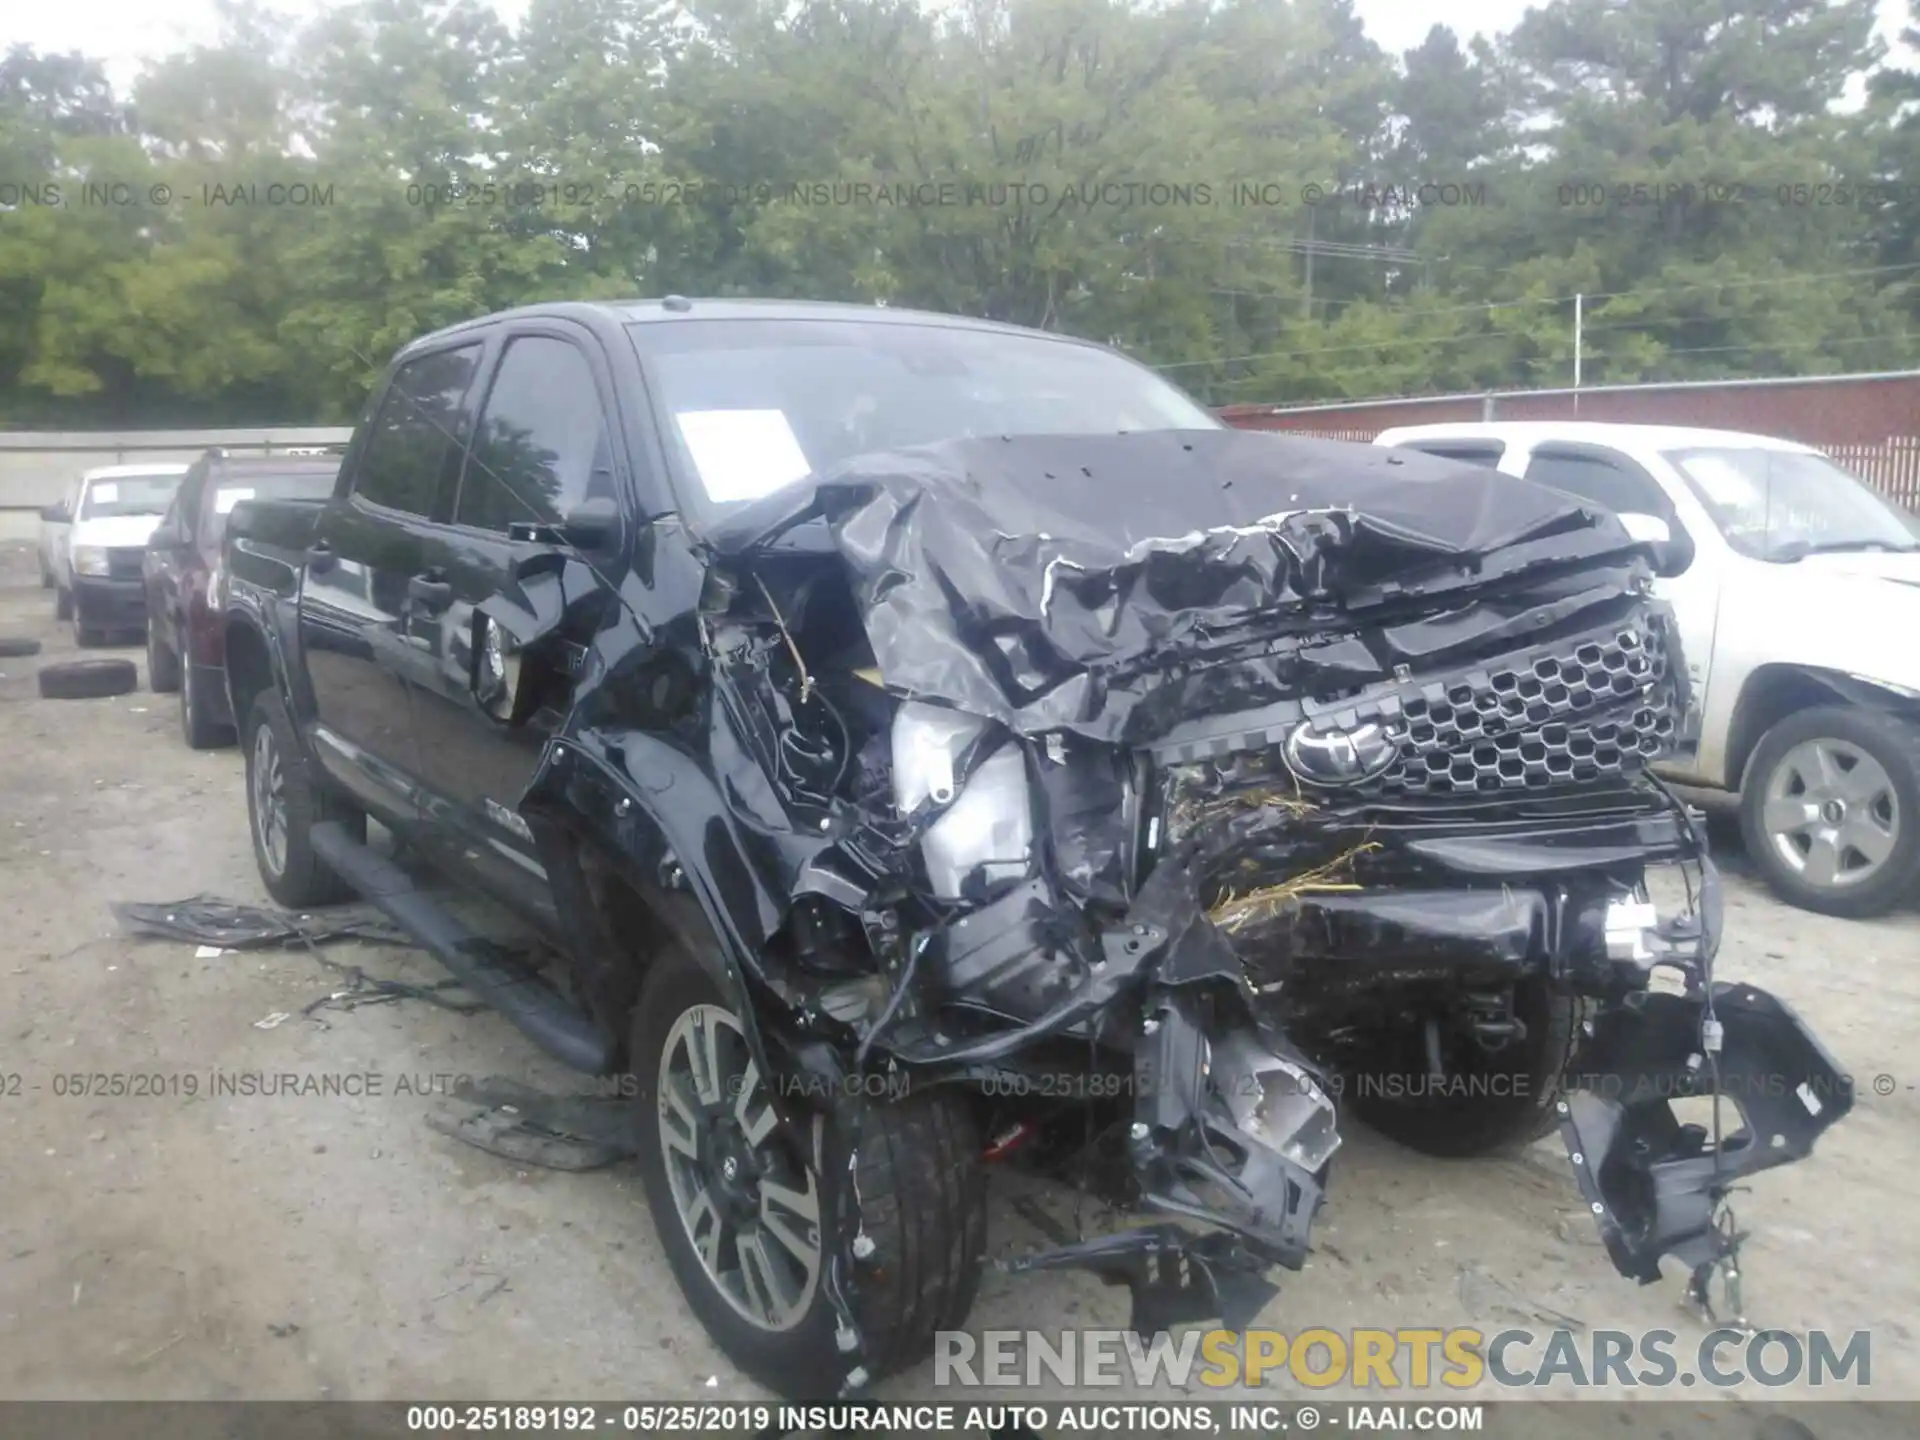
(1579, 335)
(1306, 298)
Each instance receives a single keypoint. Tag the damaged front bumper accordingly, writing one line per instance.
(1233, 1130)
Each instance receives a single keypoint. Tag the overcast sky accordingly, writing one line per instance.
(124, 32)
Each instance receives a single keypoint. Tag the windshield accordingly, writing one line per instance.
(751, 405)
(128, 495)
(1783, 504)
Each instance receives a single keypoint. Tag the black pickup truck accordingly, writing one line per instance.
(932, 745)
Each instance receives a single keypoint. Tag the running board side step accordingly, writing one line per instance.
(539, 1012)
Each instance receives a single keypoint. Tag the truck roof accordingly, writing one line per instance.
(676, 308)
(1590, 432)
(128, 472)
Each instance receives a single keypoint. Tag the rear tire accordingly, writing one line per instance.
(1501, 1101)
(1824, 788)
(285, 800)
(906, 1177)
(197, 728)
(163, 666)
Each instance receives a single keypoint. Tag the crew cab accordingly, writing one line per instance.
(186, 630)
(97, 566)
(1795, 610)
(932, 745)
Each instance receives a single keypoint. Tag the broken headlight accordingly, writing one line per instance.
(984, 833)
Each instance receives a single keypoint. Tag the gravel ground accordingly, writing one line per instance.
(297, 1247)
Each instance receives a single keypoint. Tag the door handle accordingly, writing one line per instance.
(320, 555)
(430, 590)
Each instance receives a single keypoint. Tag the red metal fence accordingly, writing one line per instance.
(1869, 423)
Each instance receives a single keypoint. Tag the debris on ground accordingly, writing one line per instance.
(225, 925)
(221, 927)
(556, 1132)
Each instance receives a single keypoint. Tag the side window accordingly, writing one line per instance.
(416, 439)
(542, 444)
(1469, 452)
(1608, 485)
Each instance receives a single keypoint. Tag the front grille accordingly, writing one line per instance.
(1588, 707)
(124, 561)
(1601, 707)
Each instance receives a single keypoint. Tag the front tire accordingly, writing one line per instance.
(1486, 1102)
(285, 800)
(1830, 810)
(756, 1212)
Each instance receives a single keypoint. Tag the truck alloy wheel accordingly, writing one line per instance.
(783, 1221)
(750, 1205)
(266, 786)
(285, 800)
(1829, 809)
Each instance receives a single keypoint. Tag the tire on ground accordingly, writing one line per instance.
(1505, 1101)
(16, 645)
(302, 881)
(1895, 744)
(907, 1176)
(89, 679)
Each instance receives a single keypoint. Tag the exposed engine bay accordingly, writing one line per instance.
(1185, 793)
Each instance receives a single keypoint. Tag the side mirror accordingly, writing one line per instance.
(499, 678)
(57, 513)
(240, 520)
(591, 525)
(1671, 555)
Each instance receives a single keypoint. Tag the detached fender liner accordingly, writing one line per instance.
(540, 1013)
(1654, 1183)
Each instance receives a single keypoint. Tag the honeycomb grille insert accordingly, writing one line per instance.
(1603, 708)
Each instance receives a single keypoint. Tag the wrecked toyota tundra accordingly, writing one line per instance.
(932, 746)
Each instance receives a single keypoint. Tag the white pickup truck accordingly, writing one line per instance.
(1799, 613)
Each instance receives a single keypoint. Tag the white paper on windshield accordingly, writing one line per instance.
(742, 454)
(225, 500)
(106, 492)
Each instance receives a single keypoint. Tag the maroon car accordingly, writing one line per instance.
(185, 644)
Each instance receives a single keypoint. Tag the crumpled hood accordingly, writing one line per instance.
(1054, 582)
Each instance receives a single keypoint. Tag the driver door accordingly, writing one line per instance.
(542, 447)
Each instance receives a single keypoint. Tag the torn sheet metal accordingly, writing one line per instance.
(205, 920)
(1051, 582)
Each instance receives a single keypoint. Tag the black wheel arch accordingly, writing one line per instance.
(613, 853)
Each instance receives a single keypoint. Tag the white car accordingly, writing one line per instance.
(1798, 609)
(96, 566)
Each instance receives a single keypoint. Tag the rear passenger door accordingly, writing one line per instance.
(543, 444)
(363, 577)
